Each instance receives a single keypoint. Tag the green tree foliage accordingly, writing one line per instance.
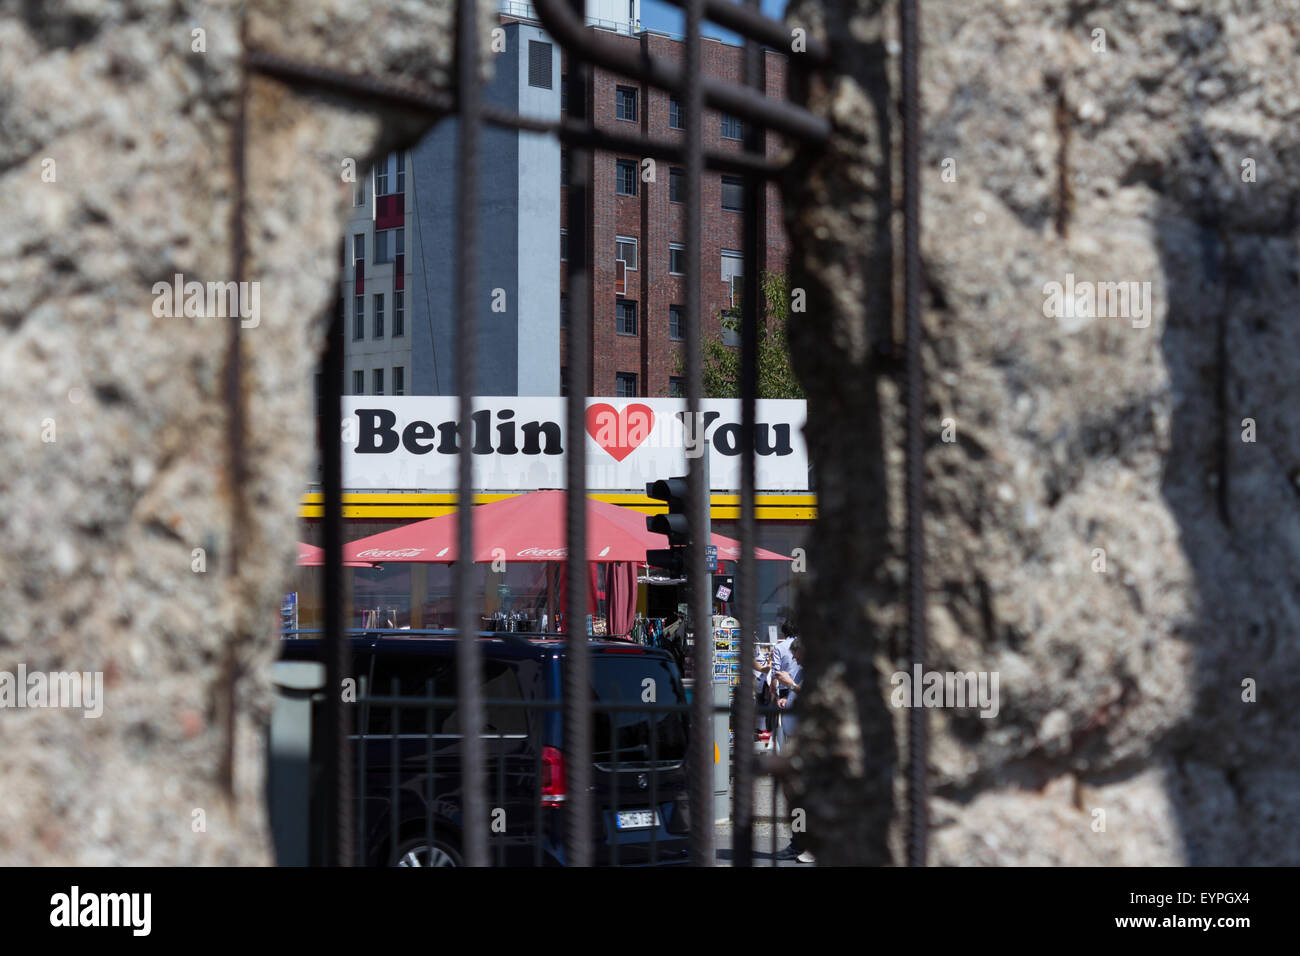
(776, 379)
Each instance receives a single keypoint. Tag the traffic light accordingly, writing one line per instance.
(674, 524)
(672, 561)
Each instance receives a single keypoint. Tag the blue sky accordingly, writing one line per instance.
(657, 15)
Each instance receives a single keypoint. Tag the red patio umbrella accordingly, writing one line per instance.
(527, 527)
(310, 556)
(728, 548)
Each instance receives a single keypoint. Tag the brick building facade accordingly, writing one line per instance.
(400, 250)
(648, 349)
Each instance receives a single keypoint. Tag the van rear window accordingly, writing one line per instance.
(628, 736)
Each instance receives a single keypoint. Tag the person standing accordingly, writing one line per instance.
(781, 661)
(791, 679)
(762, 688)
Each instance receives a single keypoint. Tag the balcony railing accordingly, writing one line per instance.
(525, 11)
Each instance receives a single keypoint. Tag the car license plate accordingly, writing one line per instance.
(637, 819)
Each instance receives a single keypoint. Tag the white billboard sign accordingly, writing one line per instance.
(519, 443)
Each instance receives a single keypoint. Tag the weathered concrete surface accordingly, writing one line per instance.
(1120, 691)
(100, 524)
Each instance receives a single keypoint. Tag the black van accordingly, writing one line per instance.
(408, 812)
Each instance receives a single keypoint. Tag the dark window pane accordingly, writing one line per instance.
(625, 102)
(733, 194)
(676, 322)
(539, 64)
(626, 318)
(676, 185)
(626, 177)
(675, 116)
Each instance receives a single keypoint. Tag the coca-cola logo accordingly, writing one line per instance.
(391, 553)
(542, 553)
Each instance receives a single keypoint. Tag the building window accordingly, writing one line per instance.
(626, 179)
(626, 385)
(389, 243)
(564, 167)
(359, 247)
(358, 382)
(564, 380)
(676, 184)
(676, 258)
(625, 103)
(564, 91)
(676, 322)
(733, 194)
(381, 177)
(564, 311)
(625, 252)
(733, 264)
(626, 322)
(675, 120)
(379, 317)
(359, 193)
(539, 64)
(399, 315)
(732, 127)
(379, 381)
(358, 317)
(676, 387)
(400, 158)
(564, 245)
(733, 270)
(399, 380)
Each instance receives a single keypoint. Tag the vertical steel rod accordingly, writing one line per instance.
(915, 478)
(235, 455)
(577, 672)
(742, 814)
(469, 670)
(701, 787)
(337, 791)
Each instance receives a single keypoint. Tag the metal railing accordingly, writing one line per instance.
(526, 11)
(408, 743)
(343, 828)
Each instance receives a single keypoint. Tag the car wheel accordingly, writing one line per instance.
(418, 852)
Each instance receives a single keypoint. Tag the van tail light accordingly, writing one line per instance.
(553, 786)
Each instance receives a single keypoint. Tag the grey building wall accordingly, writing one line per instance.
(518, 219)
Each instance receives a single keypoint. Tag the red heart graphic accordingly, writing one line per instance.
(619, 432)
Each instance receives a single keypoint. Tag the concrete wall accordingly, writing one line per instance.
(133, 549)
(1103, 529)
